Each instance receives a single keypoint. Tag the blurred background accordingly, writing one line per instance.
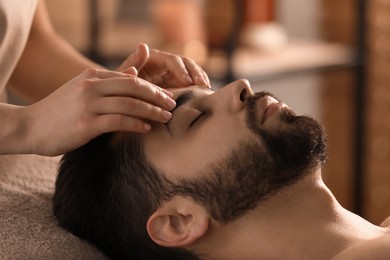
(325, 58)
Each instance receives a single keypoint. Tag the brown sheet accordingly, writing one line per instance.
(28, 229)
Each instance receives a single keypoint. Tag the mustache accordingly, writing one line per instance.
(288, 116)
(251, 100)
(261, 94)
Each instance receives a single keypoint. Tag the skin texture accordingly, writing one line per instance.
(215, 145)
(76, 100)
(280, 226)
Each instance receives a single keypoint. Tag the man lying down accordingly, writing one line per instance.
(233, 175)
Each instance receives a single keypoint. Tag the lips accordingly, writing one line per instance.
(268, 106)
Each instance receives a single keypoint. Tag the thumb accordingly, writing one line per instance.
(137, 59)
(141, 56)
(131, 71)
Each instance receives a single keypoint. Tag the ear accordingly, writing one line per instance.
(178, 223)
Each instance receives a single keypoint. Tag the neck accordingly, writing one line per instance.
(303, 221)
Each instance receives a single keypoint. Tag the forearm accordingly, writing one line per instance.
(48, 61)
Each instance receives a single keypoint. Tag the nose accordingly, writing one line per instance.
(234, 95)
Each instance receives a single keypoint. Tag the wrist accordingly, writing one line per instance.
(13, 130)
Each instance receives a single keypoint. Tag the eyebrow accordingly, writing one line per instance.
(182, 99)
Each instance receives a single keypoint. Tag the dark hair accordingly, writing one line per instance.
(105, 193)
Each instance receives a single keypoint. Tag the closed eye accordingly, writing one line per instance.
(196, 119)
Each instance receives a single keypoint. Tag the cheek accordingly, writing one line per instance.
(188, 156)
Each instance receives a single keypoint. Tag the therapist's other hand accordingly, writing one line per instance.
(95, 102)
(165, 69)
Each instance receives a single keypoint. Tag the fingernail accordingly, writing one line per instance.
(170, 103)
(166, 115)
(133, 71)
(204, 82)
(201, 81)
(207, 81)
(188, 78)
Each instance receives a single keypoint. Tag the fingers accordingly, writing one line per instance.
(130, 101)
(179, 71)
(198, 75)
(93, 73)
(142, 54)
(116, 122)
(137, 59)
(131, 71)
(206, 77)
(131, 107)
(136, 88)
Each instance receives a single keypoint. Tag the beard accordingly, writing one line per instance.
(258, 169)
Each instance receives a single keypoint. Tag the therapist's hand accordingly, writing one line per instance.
(95, 102)
(165, 69)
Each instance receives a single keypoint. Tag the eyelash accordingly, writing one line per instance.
(196, 119)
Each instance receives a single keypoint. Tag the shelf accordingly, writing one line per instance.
(296, 57)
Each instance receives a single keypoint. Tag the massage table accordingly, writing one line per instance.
(28, 229)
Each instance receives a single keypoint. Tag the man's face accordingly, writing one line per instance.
(205, 127)
(233, 146)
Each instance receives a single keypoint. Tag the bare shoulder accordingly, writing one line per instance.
(378, 248)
